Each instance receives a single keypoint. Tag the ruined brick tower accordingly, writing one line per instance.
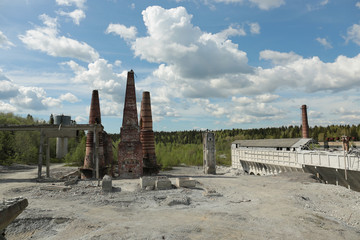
(147, 136)
(209, 159)
(130, 156)
(90, 158)
(305, 125)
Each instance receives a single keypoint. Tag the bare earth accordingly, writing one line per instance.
(225, 206)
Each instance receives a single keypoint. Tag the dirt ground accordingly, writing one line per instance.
(228, 205)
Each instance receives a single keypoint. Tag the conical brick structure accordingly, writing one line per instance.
(89, 161)
(147, 136)
(130, 156)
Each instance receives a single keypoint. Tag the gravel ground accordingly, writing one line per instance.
(229, 205)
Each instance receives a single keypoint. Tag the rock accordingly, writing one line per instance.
(185, 182)
(71, 181)
(175, 200)
(55, 188)
(147, 181)
(163, 183)
(106, 184)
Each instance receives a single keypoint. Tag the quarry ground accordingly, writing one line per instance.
(228, 205)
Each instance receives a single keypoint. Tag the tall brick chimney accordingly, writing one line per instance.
(130, 156)
(305, 125)
(147, 136)
(94, 118)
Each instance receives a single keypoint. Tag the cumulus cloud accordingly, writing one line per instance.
(310, 74)
(214, 109)
(100, 75)
(47, 39)
(324, 42)
(69, 97)
(188, 55)
(123, 31)
(6, 107)
(353, 34)
(4, 41)
(279, 58)
(7, 88)
(77, 15)
(357, 4)
(34, 98)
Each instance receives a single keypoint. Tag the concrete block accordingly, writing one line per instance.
(106, 184)
(163, 183)
(147, 181)
(185, 182)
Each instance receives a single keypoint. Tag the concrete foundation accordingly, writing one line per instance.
(163, 183)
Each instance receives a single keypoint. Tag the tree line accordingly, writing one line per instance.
(172, 148)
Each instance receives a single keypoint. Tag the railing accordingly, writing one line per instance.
(297, 159)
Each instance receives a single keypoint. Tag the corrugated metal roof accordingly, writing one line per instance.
(274, 143)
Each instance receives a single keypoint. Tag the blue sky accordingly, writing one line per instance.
(208, 64)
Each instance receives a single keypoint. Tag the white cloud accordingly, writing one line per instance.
(262, 4)
(279, 58)
(254, 28)
(78, 3)
(34, 98)
(189, 56)
(324, 42)
(69, 97)
(123, 31)
(100, 75)
(214, 109)
(357, 4)
(234, 30)
(268, 4)
(353, 34)
(4, 41)
(309, 74)
(6, 107)
(8, 89)
(77, 15)
(47, 39)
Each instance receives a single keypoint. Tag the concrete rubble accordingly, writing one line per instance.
(106, 184)
(9, 210)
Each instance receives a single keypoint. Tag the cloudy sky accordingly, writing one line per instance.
(208, 64)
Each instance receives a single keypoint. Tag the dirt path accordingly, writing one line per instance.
(220, 207)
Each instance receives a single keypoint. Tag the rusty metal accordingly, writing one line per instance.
(147, 136)
(130, 148)
(305, 125)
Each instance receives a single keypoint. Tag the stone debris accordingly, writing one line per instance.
(71, 181)
(106, 184)
(212, 193)
(163, 183)
(185, 182)
(147, 181)
(55, 188)
(177, 200)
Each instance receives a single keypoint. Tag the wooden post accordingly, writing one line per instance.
(40, 153)
(47, 157)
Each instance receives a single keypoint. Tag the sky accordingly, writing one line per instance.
(208, 64)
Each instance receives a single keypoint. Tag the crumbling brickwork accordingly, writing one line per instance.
(147, 136)
(130, 157)
(89, 161)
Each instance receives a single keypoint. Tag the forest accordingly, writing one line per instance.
(172, 148)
